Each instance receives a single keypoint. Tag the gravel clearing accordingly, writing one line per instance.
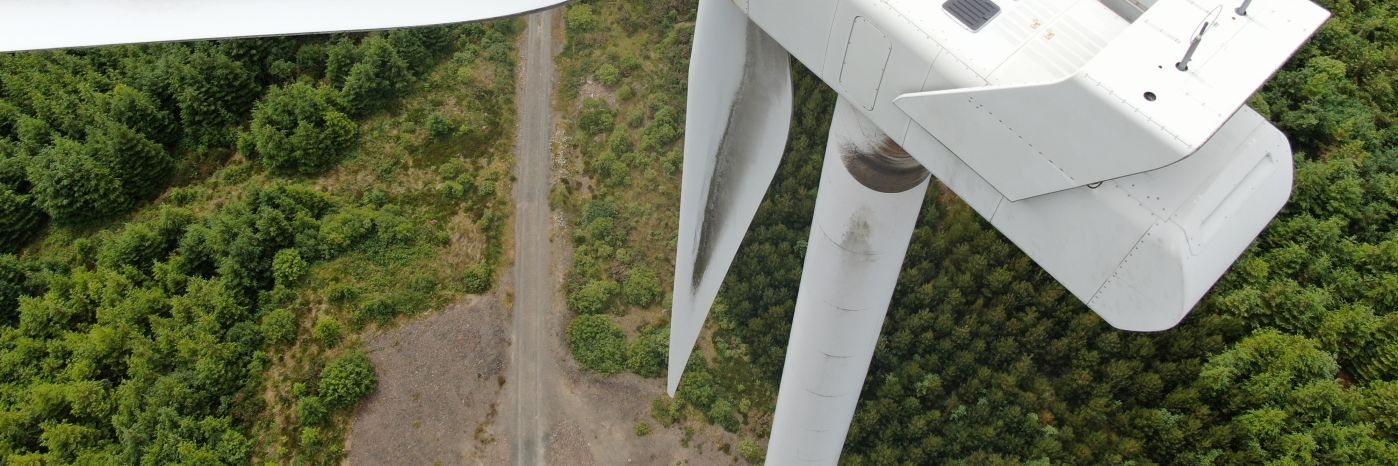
(439, 385)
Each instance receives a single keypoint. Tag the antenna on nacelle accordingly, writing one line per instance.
(1242, 10)
(1183, 64)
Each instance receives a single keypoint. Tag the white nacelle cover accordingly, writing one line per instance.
(1128, 109)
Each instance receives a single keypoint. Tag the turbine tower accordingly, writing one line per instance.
(1106, 138)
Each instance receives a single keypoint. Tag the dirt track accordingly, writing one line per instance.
(534, 285)
(441, 399)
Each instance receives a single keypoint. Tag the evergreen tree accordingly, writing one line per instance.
(213, 92)
(298, 129)
(73, 187)
(376, 78)
(140, 165)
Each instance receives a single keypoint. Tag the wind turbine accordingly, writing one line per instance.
(1106, 138)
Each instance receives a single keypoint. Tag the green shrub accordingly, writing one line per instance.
(312, 410)
(141, 165)
(597, 116)
(594, 297)
(478, 279)
(724, 414)
(642, 286)
(340, 55)
(649, 353)
(342, 294)
(347, 379)
(327, 331)
(439, 125)
(751, 451)
(375, 80)
(663, 409)
(137, 245)
(580, 19)
(608, 75)
(379, 308)
(310, 441)
(213, 91)
(642, 429)
(597, 343)
(279, 327)
(288, 266)
(697, 389)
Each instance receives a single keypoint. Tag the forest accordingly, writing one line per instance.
(195, 236)
(1292, 358)
(194, 239)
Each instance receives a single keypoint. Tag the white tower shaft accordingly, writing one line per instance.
(869, 198)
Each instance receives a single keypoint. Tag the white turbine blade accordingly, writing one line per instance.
(53, 24)
(735, 131)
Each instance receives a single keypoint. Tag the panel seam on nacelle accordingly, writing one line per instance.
(1121, 265)
(1026, 143)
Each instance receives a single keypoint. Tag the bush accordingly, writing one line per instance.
(279, 327)
(697, 389)
(663, 409)
(723, 414)
(642, 286)
(597, 343)
(298, 129)
(608, 75)
(347, 379)
(642, 429)
(379, 308)
(751, 451)
(649, 353)
(580, 18)
(288, 266)
(313, 411)
(340, 55)
(597, 116)
(213, 91)
(327, 332)
(478, 279)
(594, 297)
(440, 126)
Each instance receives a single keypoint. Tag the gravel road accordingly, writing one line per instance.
(534, 285)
